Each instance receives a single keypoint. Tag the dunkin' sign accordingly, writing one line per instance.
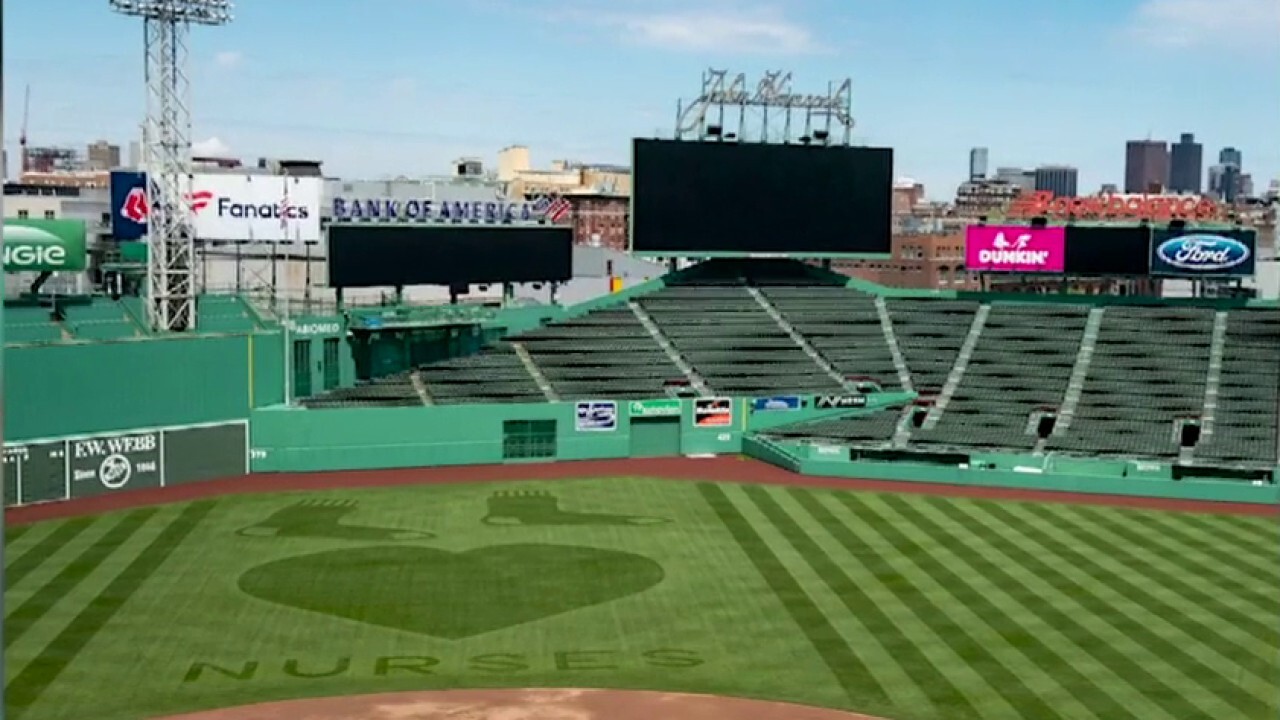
(1014, 249)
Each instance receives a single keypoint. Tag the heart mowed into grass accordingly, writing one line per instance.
(451, 595)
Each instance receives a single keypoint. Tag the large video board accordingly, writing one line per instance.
(755, 198)
(389, 255)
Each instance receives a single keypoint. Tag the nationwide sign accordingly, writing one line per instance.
(254, 208)
(1013, 248)
(428, 210)
(1204, 253)
(654, 408)
(43, 245)
(1115, 207)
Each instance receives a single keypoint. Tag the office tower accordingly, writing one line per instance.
(1231, 156)
(978, 163)
(1061, 180)
(1017, 177)
(1146, 166)
(1186, 165)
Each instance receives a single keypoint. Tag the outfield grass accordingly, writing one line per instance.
(908, 607)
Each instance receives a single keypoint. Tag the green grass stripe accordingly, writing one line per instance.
(25, 688)
(13, 532)
(1051, 618)
(1246, 557)
(1248, 584)
(868, 640)
(945, 564)
(922, 595)
(1140, 618)
(947, 698)
(1243, 666)
(1184, 613)
(1182, 572)
(847, 668)
(1043, 564)
(19, 567)
(18, 621)
(1247, 531)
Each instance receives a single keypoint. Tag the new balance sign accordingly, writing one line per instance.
(43, 245)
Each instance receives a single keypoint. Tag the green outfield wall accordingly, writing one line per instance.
(300, 440)
(80, 466)
(1023, 472)
(64, 389)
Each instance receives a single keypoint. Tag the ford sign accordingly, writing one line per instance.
(1203, 253)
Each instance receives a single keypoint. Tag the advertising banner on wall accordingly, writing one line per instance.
(254, 208)
(1014, 249)
(89, 465)
(713, 412)
(1204, 253)
(43, 245)
(596, 416)
(128, 205)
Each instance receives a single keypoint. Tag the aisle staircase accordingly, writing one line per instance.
(535, 372)
(800, 341)
(957, 370)
(891, 339)
(659, 337)
(1079, 373)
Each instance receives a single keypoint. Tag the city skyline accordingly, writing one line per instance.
(378, 105)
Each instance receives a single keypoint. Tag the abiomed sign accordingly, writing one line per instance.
(43, 245)
(89, 465)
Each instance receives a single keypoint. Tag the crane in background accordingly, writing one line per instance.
(22, 137)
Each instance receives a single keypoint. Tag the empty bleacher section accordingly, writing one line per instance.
(930, 334)
(31, 325)
(102, 320)
(1021, 365)
(226, 314)
(495, 375)
(607, 353)
(392, 391)
(731, 341)
(843, 326)
(1244, 429)
(869, 431)
(1149, 370)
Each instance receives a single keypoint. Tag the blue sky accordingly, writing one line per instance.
(384, 87)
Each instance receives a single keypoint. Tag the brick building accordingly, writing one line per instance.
(600, 220)
(926, 262)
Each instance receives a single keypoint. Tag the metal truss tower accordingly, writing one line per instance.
(166, 143)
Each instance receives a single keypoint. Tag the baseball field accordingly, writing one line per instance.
(903, 606)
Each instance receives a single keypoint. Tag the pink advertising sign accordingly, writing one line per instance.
(1015, 248)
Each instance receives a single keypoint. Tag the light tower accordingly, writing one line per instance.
(166, 153)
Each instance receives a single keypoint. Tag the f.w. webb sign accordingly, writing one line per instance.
(88, 465)
(111, 463)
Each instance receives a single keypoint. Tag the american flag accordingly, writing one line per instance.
(553, 207)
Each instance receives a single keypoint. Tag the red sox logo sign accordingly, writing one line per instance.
(135, 208)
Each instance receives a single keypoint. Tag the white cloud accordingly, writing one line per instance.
(212, 147)
(1226, 24)
(228, 58)
(754, 32)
